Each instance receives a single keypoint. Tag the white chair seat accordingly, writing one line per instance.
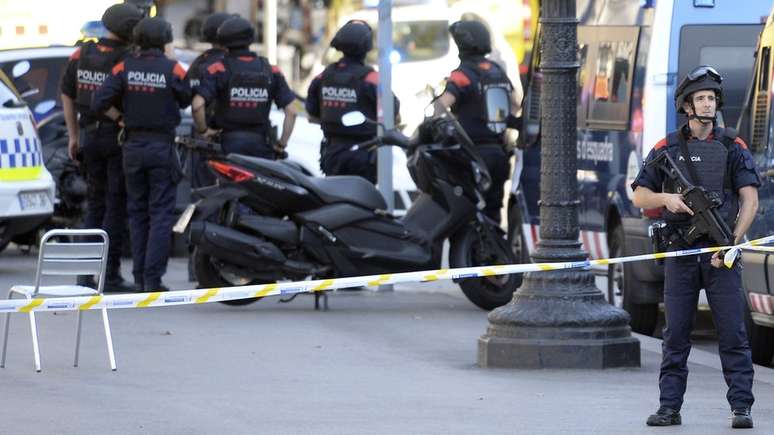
(55, 290)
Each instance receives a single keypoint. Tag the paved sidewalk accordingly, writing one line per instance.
(401, 362)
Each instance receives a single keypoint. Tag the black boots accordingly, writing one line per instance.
(741, 418)
(665, 417)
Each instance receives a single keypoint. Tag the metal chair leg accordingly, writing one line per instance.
(35, 348)
(5, 338)
(78, 337)
(109, 339)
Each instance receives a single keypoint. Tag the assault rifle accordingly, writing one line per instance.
(706, 219)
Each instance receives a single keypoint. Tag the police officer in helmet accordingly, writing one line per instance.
(150, 89)
(243, 86)
(345, 86)
(200, 175)
(93, 136)
(485, 101)
(702, 150)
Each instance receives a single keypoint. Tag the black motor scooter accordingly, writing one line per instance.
(266, 221)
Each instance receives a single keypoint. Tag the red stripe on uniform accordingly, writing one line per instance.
(660, 144)
(372, 77)
(179, 71)
(459, 78)
(741, 143)
(275, 69)
(118, 68)
(76, 54)
(216, 68)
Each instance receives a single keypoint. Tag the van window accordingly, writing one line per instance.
(611, 79)
(728, 48)
(43, 75)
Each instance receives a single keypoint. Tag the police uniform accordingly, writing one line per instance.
(720, 153)
(345, 86)
(243, 86)
(200, 173)
(150, 89)
(86, 70)
(467, 84)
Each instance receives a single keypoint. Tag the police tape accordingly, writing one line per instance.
(201, 296)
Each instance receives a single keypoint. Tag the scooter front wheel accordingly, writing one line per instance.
(470, 248)
(209, 276)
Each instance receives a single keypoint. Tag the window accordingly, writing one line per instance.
(44, 75)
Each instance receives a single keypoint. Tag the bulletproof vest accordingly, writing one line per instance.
(247, 99)
(710, 158)
(196, 70)
(149, 101)
(493, 87)
(341, 91)
(94, 66)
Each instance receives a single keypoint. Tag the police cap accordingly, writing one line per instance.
(120, 19)
(236, 32)
(211, 24)
(355, 38)
(471, 37)
(153, 32)
(703, 78)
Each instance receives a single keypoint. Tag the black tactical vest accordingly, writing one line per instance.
(710, 158)
(94, 66)
(247, 99)
(341, 91)
(473, 111)
(204, 60)
(149, 102)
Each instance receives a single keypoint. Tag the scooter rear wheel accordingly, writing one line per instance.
(209, 276)
(469, 249)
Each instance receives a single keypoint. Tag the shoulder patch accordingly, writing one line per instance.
(459, 78)
(486, 66)
(216, 68)
(178, 70)
(276, 70)
(660, 144)
(741, 143)
(76, 54)
(245, 58)
(104, 48)
(118, 68)
(372, 77)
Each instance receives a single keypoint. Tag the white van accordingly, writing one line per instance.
(26, 187)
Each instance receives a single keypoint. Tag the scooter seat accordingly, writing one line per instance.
(342, 188)
(347, 188)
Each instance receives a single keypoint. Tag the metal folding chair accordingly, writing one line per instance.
(62, 252)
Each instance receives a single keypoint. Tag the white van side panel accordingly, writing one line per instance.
(657, 79)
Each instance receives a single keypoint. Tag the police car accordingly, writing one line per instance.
(26, 187)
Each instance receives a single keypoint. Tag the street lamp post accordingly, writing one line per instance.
(558, 319)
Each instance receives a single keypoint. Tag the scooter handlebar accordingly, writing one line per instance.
(390, 137)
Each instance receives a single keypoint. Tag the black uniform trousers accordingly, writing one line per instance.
(249, 143)
(151, 168)
(496, 160)
(683, 279)
(106, 206)
(337, 158)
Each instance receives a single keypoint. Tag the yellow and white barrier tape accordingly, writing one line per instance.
(201, 296)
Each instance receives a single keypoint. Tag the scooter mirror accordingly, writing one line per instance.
(351, 119)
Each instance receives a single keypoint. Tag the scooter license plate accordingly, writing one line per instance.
(184, 219)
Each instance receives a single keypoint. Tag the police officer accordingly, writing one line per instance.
(200, 174)
(725, 168)
(345, 86)
(93, 136)
(150, 89)
(242, 86)
(471, 91)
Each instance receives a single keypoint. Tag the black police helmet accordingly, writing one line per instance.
(471, 37)
(153, 32)
(211, 24)
(235, 32)
(143, 5)
(120, 19)
(355, 38)
(703, 78)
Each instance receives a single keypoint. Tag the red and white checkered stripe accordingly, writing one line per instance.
(761, 303)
